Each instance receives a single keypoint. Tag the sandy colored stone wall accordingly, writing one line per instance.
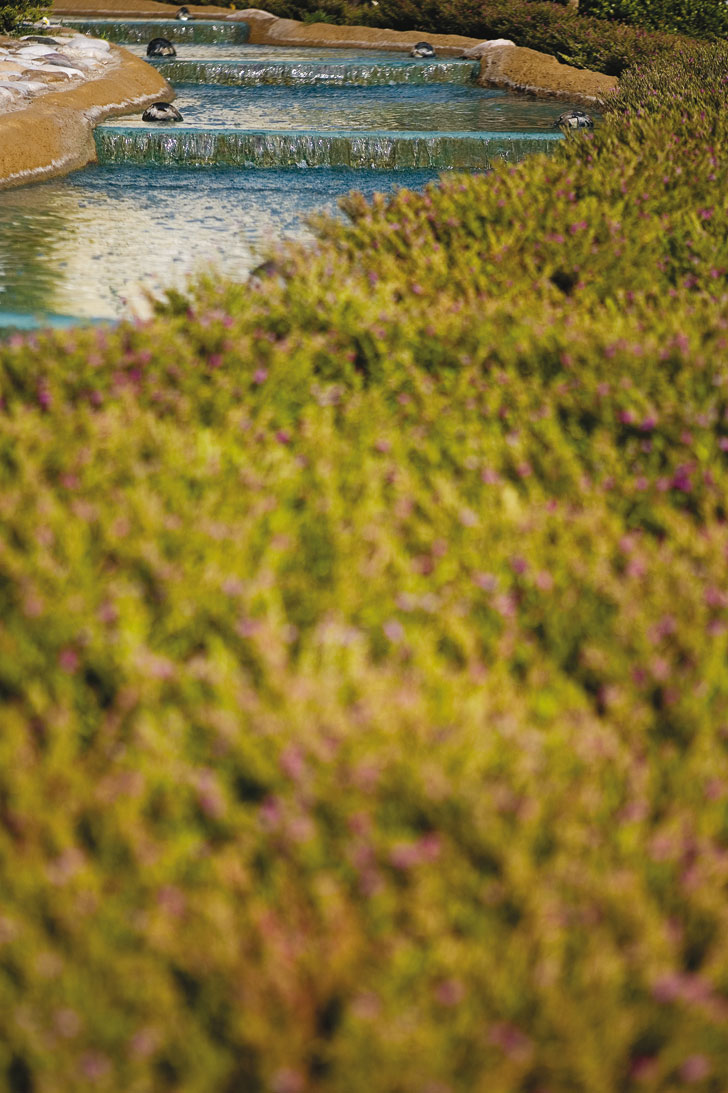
(54, 134)
(509, 66)
(520, 69)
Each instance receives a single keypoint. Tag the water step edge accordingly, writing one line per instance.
(321, 73)
(139, 31)
(170, 147)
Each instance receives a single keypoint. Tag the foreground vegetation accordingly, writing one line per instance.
(363, 659)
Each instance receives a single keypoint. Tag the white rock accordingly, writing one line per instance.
(86, 57)
(35, 49)
(90, 45)
(55, 70)
(484, 48)
(26, 87)
(251, 13)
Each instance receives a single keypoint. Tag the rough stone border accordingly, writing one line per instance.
(54, 134)
(502, 64)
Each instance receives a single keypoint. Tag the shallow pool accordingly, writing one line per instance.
(91, 245)
(429, 108)
(229, 51)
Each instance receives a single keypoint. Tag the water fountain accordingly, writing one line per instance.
(91, 245)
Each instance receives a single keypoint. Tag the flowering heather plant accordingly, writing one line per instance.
(363, 648)
(701, 18)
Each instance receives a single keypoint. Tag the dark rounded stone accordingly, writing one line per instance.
(574, 119)
(161, 47)
(161, 111)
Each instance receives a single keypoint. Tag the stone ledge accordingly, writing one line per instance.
(54, 134)
(504, 66)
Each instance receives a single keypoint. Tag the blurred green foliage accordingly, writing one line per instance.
(363, 647)
(701, 18)
(17, 12)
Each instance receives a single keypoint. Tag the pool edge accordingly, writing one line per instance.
(53, 135)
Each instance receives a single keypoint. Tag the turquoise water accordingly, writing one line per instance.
(432, 108)
(90, 245)
(95, 245)
(227, 51)
(141, 30)
(324, 74)
(246, 65)
(388, 128)
(175, 147)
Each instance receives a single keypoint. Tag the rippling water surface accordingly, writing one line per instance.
(91, 245)
(227, 51)
(434, 107)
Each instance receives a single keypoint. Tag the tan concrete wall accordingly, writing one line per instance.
(54, 134)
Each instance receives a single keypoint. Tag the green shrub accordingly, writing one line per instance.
(20, 11)
(549, 27)
(363, 657)
(700, 18)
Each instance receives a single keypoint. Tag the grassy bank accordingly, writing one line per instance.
(363, 658)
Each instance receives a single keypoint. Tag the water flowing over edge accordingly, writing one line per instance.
(246, 148)
(292, 73)
(138, 31)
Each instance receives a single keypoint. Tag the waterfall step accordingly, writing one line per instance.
(293, 73)
(288, 73)
(169, 147)
(133, 31)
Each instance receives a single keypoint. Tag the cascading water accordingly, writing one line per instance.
(292, 73)
(98, 242)
(384, 151)
(196, 31)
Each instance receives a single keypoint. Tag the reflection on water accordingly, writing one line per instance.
(433, 107)
(31, 256)
(141, 30)
(226, 51)
(92, 244)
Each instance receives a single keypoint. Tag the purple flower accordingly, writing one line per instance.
(394, 630)
(695, 1069)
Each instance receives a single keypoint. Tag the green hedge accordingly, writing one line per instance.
(13, 14)
(549, 27)
(702, 18)
(363, 657)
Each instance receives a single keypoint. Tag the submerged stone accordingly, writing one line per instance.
(574, 119)
(161, 47)
(423, 49)
(162, 111)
